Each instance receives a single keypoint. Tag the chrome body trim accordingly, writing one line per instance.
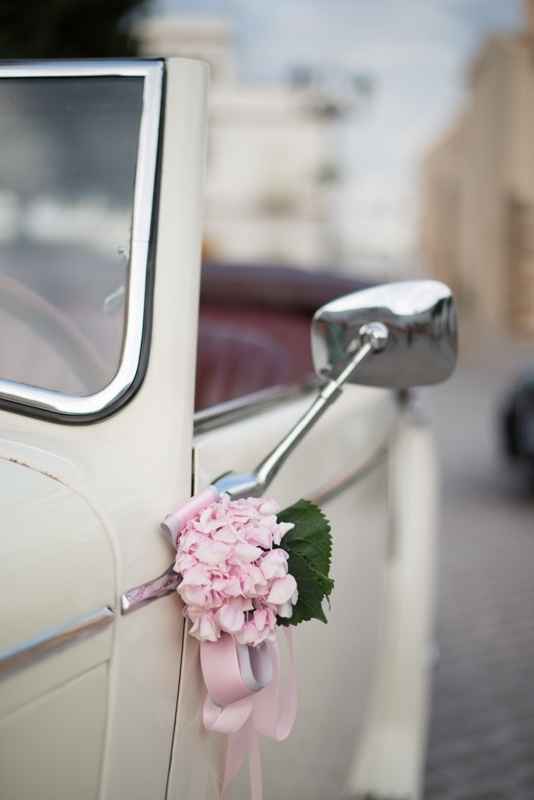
(33, 400)
(325, 494)
(52, 639)
(243, 407)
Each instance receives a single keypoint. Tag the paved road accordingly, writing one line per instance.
(482, 724)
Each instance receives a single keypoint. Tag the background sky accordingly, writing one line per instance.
(416, 52)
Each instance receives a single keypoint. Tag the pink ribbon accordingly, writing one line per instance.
(246, 697)
(174, 522)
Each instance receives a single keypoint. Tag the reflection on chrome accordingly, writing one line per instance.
(52, 639)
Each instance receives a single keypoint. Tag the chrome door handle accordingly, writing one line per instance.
(138, 596)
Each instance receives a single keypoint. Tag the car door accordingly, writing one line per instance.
(343, 465)
(100, 197)
(363, 679)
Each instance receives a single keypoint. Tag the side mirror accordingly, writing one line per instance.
(396, 336)
(420, 336)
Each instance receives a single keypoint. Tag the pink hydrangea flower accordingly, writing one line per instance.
(234, 573)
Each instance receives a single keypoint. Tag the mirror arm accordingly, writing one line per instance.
(372, 338)
(255, 483)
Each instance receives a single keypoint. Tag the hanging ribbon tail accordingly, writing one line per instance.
(275, 708)
(246, 697)
(255, 770)
(240, 744)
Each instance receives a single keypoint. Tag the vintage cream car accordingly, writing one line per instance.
(101, 172)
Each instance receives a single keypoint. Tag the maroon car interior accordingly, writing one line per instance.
(254, 328)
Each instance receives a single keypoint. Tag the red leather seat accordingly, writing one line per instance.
(254, 328)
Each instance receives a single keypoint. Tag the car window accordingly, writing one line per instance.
(68, 154)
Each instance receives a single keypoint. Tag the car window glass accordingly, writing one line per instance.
(68, 153)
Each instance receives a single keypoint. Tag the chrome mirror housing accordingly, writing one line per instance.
(419, 342)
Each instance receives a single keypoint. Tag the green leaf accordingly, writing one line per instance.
(310, 537)
(309, 605)
(309, 546)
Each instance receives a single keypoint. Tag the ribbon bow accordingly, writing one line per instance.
(246, 697)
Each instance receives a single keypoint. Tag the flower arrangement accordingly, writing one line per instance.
(234, 570)
(247, 568)
(243, 562)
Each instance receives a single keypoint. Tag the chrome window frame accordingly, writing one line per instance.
(58, 406)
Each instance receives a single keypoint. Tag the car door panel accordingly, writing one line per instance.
(49, 602)
(52, 748)
(75, 543)
(336, 660)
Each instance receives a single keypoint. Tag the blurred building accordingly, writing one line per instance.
(478, 187)
(273, 174)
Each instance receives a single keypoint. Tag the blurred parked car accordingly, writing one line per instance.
(517, 423)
